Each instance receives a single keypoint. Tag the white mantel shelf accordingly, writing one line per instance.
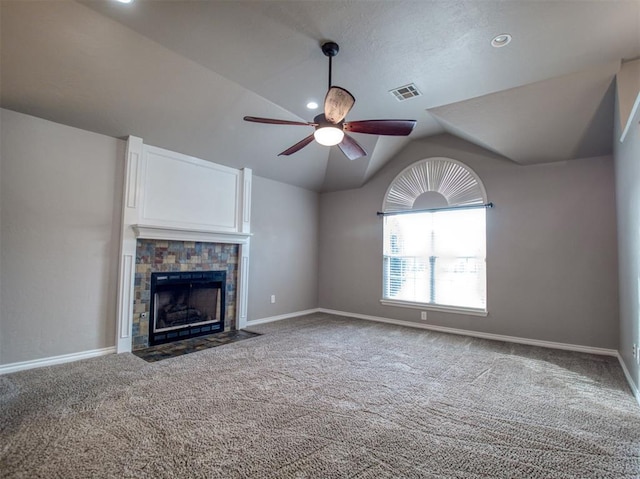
(181, 234)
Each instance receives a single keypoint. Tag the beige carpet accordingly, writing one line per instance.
(322, 396)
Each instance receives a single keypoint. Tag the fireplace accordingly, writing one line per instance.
(181, 215)
(165, 272)
(186, 305)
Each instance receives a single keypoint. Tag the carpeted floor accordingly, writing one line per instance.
(323, 396)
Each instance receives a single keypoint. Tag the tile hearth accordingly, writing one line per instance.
(186, 346)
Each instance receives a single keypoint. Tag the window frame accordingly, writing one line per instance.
(480, 200)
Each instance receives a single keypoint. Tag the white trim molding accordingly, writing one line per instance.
(499, 337)
(270, 319)
(433, 307)
(464, 332)
(634, 109)
(627, 374)
(444, 329)
(477, 334)
(628, 94)
(65, 358)
(181, 234)
(242, 286)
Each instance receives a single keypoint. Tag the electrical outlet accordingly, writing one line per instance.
(634, 350)
(273, 298)
(423, 315)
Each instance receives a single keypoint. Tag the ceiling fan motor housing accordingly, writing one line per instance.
(322, 122)
(330, 49)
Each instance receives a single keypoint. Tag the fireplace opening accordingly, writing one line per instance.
(185, 305)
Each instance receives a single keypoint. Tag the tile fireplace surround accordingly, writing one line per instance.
(172, 256)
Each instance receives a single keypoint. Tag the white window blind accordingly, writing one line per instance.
(436, 257)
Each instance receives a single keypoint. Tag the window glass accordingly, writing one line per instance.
(436, 257)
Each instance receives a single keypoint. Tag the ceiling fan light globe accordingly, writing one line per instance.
(328, 135)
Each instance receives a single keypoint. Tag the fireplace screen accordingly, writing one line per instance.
(185, 305)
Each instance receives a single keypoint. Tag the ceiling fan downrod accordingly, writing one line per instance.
(330, 49)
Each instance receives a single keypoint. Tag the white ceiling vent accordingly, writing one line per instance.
(405, 92)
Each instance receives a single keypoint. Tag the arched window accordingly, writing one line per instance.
(435, 238)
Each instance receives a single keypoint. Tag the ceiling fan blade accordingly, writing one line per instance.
(337, 104)
(351, 148)
(298, 146)
(381, 127)
(274, 121)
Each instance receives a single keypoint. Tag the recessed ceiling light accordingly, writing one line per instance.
(312, 105)
(501, 40)
(124, 1)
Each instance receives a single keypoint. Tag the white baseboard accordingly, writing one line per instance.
(498, 337)
(65, 358)
(270, 319)
(476, 334)
(632, 385)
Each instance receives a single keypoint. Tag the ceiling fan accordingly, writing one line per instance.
(330, 127)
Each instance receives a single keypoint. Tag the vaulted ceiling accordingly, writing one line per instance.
(182, 74)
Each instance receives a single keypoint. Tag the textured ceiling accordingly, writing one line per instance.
(181, 75)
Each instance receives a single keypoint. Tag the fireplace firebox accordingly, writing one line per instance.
(186, 304)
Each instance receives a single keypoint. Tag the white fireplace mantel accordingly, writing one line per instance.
(180, 234)
(171, 196)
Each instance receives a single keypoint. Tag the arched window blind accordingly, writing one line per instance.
(453, 180)
(434, 252)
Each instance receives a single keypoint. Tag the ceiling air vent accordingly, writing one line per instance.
(403, 93)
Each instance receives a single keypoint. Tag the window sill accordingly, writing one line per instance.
(434, 307)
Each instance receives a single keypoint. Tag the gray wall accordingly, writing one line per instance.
(61, 194)
(627, 166)
(61, 191)
(551, 247)
(552, 271)
(284, 249)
